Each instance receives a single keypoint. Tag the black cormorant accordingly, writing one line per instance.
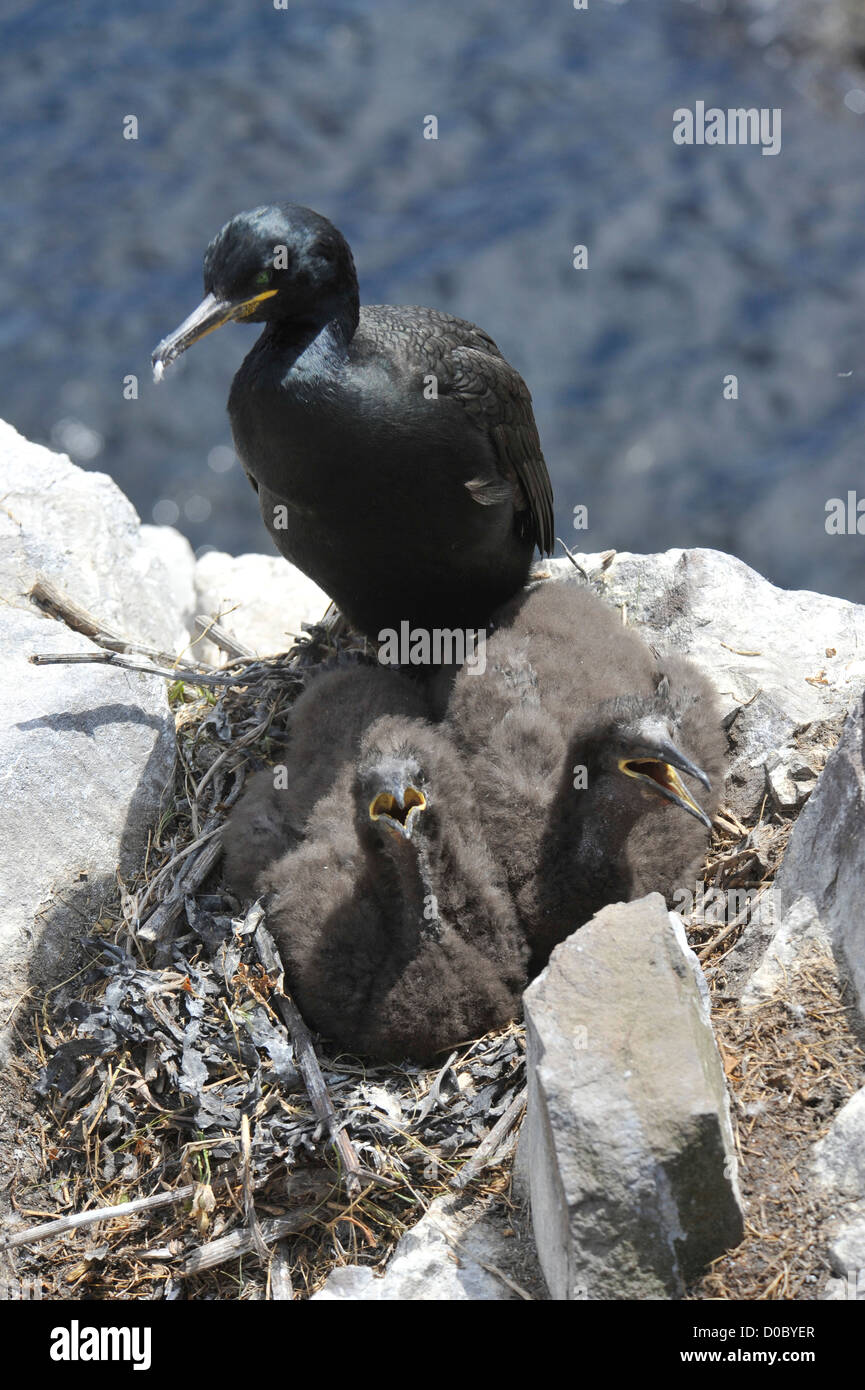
(393, 449)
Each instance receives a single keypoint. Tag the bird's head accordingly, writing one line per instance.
(283, 262)
(392, 795)
(639, 742)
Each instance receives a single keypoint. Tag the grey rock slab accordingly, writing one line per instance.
(838, 1170)
(839, 1158)
(820, 887)
(847, 1256)
(627, 1144)
(86, 753)
(77, 530)
(790, 779)
(263, 600)
(781, 659)
(788, 944)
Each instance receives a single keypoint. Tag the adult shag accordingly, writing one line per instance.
(393, 449)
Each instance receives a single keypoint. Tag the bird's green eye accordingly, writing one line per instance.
(263, 277)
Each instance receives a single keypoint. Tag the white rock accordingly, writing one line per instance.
(167, 548)
(782, 658)
(839, 1158)
(76, 529)
(263, 600)
(85, 751)
(839, 1172)
(456, 1252)
(796, 938)
(820, 886)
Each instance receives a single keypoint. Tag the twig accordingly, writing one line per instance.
(433, 1095)
(212, 629)
(175, 859)
(307, 1062)
(59, 605)
(238, 1243)
(127, 663)
(460, 1243)
(88, 1218)
(164, 916)
(570, 555)
(487, 1149)
(737, 651)
(252, 1225)
(280, 1273)
(226, 753)
(738, 921)
(500, 1274)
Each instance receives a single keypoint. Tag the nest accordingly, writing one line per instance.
(174, 1069)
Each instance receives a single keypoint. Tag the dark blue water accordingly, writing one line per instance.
(555, 128)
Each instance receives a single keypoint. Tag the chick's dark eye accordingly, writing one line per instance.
(264, 277)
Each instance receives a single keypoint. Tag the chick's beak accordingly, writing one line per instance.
(659, 770)
(399, 808)
(211, 313)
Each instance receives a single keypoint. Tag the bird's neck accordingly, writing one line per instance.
(596, 819)
(310, 345)
(417, 902)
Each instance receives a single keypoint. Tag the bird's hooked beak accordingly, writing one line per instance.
(211, 313)
(658, 767)
(400, 808)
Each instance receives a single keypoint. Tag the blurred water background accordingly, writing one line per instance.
(555, 128)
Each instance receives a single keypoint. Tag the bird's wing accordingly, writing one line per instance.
(469, 367)
(499, 400)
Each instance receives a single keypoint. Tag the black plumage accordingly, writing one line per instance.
(575, 738)
(394, 924)
(325, 727)
(393, 449)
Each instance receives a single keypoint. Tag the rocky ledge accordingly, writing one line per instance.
(627, 1155)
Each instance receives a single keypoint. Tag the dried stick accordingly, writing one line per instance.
(161, 920)
(59, 605)
(223, 757)
(571, 557)
(280, 1273)
(252, 1226)
(88, 1218)
(181, 854)
(238, 1243)
(128, 663)
(212, 629)
(738, 920)
(307, 1061)
(487, 1149)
